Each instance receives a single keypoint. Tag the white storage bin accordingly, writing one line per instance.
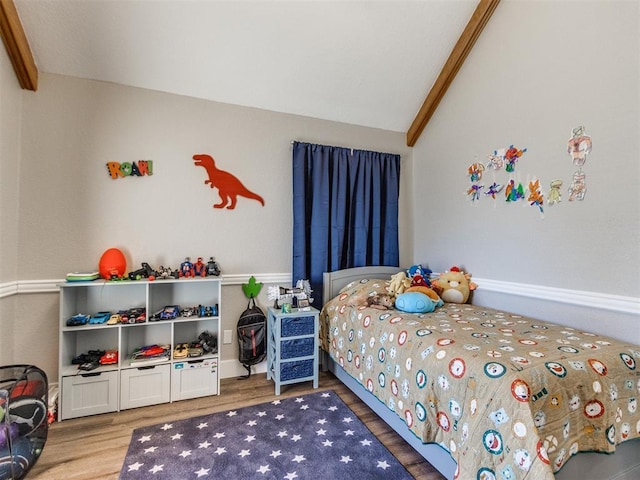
(142, 386)
(89, 394)
(194, 378)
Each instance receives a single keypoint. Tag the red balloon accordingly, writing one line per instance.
(112, 263)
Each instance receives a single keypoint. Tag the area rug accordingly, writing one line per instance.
(314, 436)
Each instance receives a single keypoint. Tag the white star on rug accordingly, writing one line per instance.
(327, 443)
(251, 423)
(366, 442)
(202, 425)
(167, 426)
(299, 400)
(177, 436)
(263, 469)
(322, 431)
(282, 433)
(261, 414)
(332, 409)
(220, 450)
(244, 453)
(304, 407)
(291, 476)
(279, 416)
(250, 438)
(135, 466)
(346, 459)
(322, 421)
(347, 419)
(383, 465)
(204, 444)
(202, 472)
(276, 402)
(275, 453)
(156, 468)
(145, 438)
(150, 449)
(298, 458)
(185, 453)
(296, 438)
(326, 395)
(232, 413)
(348, 432)
(219, 435)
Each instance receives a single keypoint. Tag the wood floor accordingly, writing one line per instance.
(94, 447)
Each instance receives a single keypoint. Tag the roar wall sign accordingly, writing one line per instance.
(128, 169)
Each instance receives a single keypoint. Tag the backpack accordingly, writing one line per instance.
(252, 336)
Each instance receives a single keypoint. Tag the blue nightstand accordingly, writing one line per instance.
(292, 346)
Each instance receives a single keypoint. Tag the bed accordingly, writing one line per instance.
(485, 394)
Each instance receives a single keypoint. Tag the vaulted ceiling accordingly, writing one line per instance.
(381, 64)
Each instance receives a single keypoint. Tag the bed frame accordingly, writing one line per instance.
(623, 465)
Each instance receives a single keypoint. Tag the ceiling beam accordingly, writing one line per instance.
(17, 46)
(465, 43)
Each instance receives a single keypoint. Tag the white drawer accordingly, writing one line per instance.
(89, 394)
(142, 386)
(194, 378)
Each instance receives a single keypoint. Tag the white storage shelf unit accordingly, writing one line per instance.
(124, 385)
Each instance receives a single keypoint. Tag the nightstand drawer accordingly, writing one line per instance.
(296, 326)
(293, 370)
(299, 347)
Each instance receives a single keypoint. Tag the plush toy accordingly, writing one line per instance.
(454, 286)
(381, 301)
(416, 302)
(398, 284)
(419, 275)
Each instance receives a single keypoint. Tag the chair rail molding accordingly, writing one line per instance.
(596, 300)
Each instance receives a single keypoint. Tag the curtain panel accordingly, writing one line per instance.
(345, 210)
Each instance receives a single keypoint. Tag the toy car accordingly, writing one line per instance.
(100, 317)
(149, 351)
(188, 312)
(169, 312)
(195, 349)
(145, 272)
(109, 358)
(79, 319)
(114, 319)
(181, 350)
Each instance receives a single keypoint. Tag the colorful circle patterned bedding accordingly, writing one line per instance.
(508, 396)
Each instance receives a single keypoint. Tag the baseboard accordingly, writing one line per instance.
(233, 368)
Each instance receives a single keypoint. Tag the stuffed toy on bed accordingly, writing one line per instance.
(454, 286)
(398, 284)
(416, 302)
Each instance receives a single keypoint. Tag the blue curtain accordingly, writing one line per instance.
(345, 211)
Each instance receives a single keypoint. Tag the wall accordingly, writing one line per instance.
(538, 70)
(71, 210)
(9, 171)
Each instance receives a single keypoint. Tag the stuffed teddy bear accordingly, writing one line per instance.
(454, 286)
(398, 284)
(416, 302)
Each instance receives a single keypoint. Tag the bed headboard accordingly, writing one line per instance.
(334, 281)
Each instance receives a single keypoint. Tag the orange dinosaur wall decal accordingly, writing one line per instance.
(228, 185)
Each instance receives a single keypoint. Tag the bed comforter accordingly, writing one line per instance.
(508, 396)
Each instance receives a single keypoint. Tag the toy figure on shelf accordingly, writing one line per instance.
(199, 268)
(186, 268)
(212, 268)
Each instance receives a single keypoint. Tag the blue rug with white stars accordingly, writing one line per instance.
(313, 436)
